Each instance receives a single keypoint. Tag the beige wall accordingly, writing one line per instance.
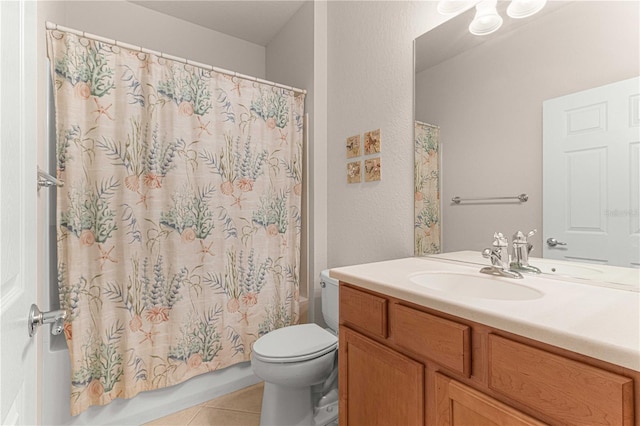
(488, 104)
(370, 68)
(318, 156)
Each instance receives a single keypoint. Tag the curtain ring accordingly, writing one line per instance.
(57, 34)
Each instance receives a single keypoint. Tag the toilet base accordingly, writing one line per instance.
(326, 411)
(286, 406)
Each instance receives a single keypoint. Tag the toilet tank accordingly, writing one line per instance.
(329, 300)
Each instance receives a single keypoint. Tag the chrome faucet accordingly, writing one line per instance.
(521, 250)
(499, 256)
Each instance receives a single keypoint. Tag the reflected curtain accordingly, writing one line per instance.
(179, 221)
(427, 228)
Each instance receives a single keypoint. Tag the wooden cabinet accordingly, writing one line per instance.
(446, 342)
(404, 364)
(573, 392)
(363, 311)
(379, 386)
(460, 405)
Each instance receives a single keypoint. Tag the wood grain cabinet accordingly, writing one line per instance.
(404, 364)
(572, 392)
(460, 405)
(383, 387)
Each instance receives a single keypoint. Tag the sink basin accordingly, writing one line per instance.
(476, 286)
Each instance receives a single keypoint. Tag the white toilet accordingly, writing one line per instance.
(299, 365)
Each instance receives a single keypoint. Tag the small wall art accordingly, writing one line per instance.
(372, 169)
(372, 142)
(353, 146)
(354, 175)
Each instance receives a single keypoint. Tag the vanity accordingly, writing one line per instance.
(426, 341)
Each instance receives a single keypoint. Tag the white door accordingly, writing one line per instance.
(591, 158)
(18, 195)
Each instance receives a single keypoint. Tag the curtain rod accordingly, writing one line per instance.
(52, 26)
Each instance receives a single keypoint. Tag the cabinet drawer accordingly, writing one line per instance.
(446, 342)
(363, 310)
(564, 389)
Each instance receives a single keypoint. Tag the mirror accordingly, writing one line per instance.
(486, 96)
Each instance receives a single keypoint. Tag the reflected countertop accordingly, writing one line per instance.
(585, 273)
(599, 321)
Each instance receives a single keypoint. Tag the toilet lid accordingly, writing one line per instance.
(294, 343)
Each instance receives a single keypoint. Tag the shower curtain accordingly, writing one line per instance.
(179, 221)
(427, 189)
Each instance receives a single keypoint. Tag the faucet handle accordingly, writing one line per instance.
(521, 250)
(499, 253)
(499, 240)
(494, 255)
(486, 253)
(520, 238)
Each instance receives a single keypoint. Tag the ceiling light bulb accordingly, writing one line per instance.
(524, 8)
(487, 19)
(451, 7)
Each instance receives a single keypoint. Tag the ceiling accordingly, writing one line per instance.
(257, 21)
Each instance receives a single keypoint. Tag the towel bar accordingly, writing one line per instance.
(523, 198)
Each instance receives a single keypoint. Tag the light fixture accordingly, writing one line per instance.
(525, 8)
(487, 19)
(452, 7)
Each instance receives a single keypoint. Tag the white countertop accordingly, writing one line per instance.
(597, 321)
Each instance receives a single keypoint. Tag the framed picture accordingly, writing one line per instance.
(353, 146)
(354, 174)
(372, 142)
(372, 169)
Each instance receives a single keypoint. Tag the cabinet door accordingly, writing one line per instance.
(460, 405)
(378, 386)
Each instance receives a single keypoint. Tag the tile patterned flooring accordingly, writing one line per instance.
(240, 408)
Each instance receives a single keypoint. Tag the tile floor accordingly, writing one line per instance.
(240, 408)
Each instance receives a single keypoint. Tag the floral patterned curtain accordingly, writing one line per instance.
(179, 222)
(427, 190)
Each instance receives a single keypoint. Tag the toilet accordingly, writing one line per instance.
(299, 365)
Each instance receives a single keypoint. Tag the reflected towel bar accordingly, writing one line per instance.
(523, 198)
(47, 181)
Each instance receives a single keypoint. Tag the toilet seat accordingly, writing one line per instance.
(294, 344)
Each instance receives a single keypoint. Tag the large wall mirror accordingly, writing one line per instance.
(486, 96)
